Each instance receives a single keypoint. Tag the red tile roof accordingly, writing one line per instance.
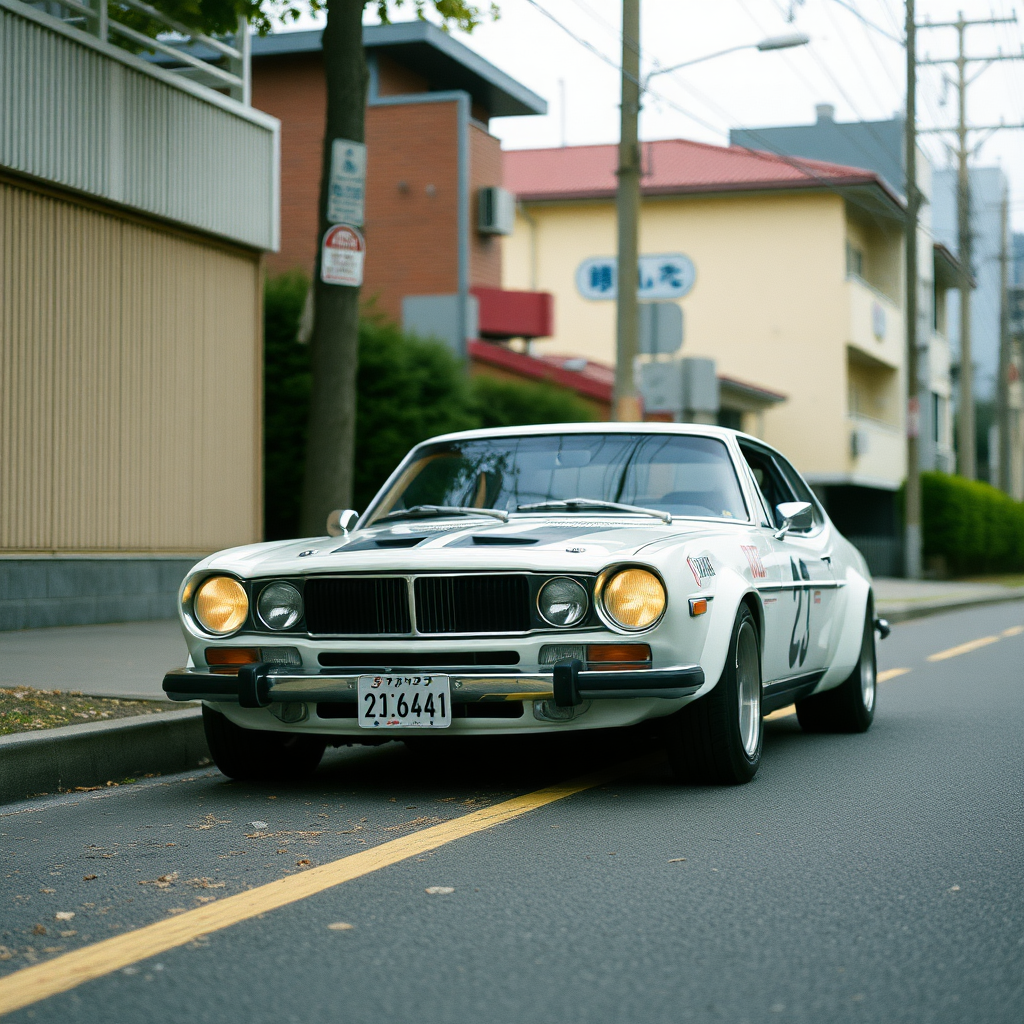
(671, 166)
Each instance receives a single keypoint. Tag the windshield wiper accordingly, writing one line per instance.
(422, 511)
(571, 504)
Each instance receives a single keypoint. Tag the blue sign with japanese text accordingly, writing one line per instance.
(662, 276)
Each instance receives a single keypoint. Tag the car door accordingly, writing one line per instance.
(802, 643)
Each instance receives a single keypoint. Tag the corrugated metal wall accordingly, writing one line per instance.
(86, 116)
(130, 393)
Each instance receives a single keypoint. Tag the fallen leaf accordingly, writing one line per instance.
(954, 888)
(205, 899)
(440, 890)
(204, 883)
(39, 930)
(303, 863)
(341, 926)
(64, 915)
(52, 949)
(163, 882)
(68, 934)
(88, 878)
(48, 890)
(5, 953)
(258, 824)
(677, 860)
(177, 910)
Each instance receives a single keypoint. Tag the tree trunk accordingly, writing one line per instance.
(330, 447)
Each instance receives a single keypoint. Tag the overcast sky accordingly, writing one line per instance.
(858, 68)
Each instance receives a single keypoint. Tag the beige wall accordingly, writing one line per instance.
(771, 302)
(130, 387)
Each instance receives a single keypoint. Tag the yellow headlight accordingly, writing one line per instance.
(634, 598)
(221, 605)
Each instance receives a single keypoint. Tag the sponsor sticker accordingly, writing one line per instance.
(757, 569)
(701, 568)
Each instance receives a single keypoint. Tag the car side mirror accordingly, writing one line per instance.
(795, 515)
(340, 521)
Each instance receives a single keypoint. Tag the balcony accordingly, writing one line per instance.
(878, 453)
(875, 325)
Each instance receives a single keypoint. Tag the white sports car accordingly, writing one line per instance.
(541, 579)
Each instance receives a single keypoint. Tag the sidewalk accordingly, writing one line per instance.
(129, 659)
(126, 659)
(899, 600)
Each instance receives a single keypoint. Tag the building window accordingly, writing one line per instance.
(854, 261)
(938, 411)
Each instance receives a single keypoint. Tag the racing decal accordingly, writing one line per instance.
(757, 569)
(798, 645)
(701, 568)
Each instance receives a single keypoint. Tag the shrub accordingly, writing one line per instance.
(974, 526)
(500, 402)
(407, 390)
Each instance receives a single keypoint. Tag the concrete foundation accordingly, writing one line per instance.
(72, 590)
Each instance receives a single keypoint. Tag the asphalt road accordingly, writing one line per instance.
(857, 878)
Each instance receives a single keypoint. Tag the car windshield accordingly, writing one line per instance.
(683, 475)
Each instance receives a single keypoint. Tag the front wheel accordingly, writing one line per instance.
(849, 707)
(260, 754)
(718, 738)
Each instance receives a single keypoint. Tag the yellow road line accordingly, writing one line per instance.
(971, 645)
(1013, 631)
(40, 981)
(891, 673)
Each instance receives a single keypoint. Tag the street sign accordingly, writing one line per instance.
(347, 192)
(668, 275)
(661, 328)
(341, 256)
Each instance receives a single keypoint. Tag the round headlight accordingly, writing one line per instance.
(562, 602)
(280, 605)
(221, 605)
(634, 598)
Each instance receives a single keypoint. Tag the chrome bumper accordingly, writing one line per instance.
(257, 686)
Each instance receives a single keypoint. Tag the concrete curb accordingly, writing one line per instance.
(52, 760)
(903, 611)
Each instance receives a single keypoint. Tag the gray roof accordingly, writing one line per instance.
(424, 48)
(874, 145)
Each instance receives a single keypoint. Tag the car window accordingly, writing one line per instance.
(686, 475)
(771, 481)
(799, 487)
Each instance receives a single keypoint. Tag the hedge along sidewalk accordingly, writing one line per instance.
(54, 760)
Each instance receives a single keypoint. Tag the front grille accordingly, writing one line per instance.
(382, 661)
(472, 604)
(356, 606)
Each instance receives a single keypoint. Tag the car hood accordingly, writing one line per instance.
(584, 543)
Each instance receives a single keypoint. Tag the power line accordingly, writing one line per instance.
(867, 21)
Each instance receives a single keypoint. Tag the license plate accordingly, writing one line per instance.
(405, 702)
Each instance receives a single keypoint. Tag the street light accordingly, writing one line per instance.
(785, 42)
(626, 405)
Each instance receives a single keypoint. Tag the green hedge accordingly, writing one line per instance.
(407, 390)
(974, 526)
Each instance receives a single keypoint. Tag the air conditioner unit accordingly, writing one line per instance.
(859, 442)
(497, 213)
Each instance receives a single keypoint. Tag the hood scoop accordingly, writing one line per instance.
(498, 540)
(378, 543)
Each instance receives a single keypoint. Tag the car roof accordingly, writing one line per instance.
(539, 429)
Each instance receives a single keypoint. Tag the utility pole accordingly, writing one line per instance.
(966, 445)
(912, 511)
(1003, 383)
(627, 203)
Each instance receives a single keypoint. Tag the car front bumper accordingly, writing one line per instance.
(258, 686)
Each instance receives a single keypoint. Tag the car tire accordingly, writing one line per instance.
(717, 739)
(259, 754)
(849, 707)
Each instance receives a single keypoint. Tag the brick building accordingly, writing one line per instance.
(429, 156)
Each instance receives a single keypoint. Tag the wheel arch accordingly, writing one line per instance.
(860, 602)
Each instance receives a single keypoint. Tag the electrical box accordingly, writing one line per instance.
(497, 211)
(661, 328)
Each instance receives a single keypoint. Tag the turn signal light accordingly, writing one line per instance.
(232, 655)
(610, 656)
(698, 605)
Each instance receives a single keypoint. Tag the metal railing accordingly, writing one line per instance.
(194, 55)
